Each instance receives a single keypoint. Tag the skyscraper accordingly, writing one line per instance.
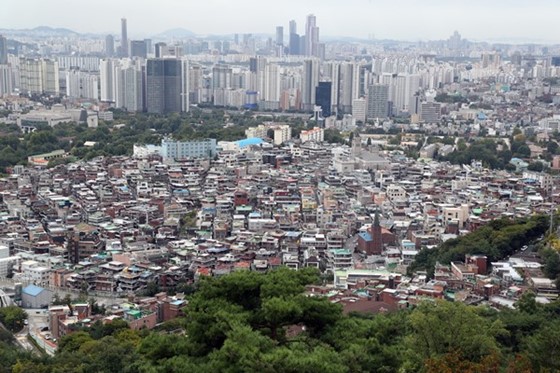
(109, 45)
(311, 36)
(138, 48)
(124, 38)
(294, 38)
(294, 44)
(310, 80)
(293, 27)
(378, 101)
(166, 82)
(3, 50)
(323, 97)
(279, 35)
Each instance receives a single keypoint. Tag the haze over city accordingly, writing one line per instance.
(498, 21)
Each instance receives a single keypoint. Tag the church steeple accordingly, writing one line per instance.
(376, 219)
(376, 235)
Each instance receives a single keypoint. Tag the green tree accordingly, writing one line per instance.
(448, 328)
(12, 317)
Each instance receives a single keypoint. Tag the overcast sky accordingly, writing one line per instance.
(494, 20)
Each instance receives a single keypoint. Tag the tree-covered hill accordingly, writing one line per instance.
(497, 240)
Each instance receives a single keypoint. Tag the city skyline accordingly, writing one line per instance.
(499, 21)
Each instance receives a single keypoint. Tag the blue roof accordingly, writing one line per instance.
(365, 236)
(32, 290)
(250, 141)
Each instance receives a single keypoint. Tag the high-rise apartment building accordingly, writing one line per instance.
(81, 84)
(221, 77)
(271, 96)
(109, 46)
(106, 79)
(38, 76)
(129, 85)
(124, 38)
(6, 80)
(3, 50)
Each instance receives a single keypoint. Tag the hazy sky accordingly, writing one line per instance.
(511, 20)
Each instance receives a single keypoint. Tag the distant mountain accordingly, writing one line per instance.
(175, 33)
(40, 31)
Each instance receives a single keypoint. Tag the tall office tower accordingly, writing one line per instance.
(138, 48)
(149, 49)
(279, 35)
(454, 41)
(3, 50)
(311, 36)
(124, 39)
(294, 39)
(109, 45)
(323, 97)
(159, 49)
(294, 44)
(378, 101)
(310, 80)
(165, 84)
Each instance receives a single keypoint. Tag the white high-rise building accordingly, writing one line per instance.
(6, 80)
(82, 85)
(128, 86)
(349, 85)
(359, 107)
(272, 86)
(185, 85)
(332, 74)
(107, 71)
